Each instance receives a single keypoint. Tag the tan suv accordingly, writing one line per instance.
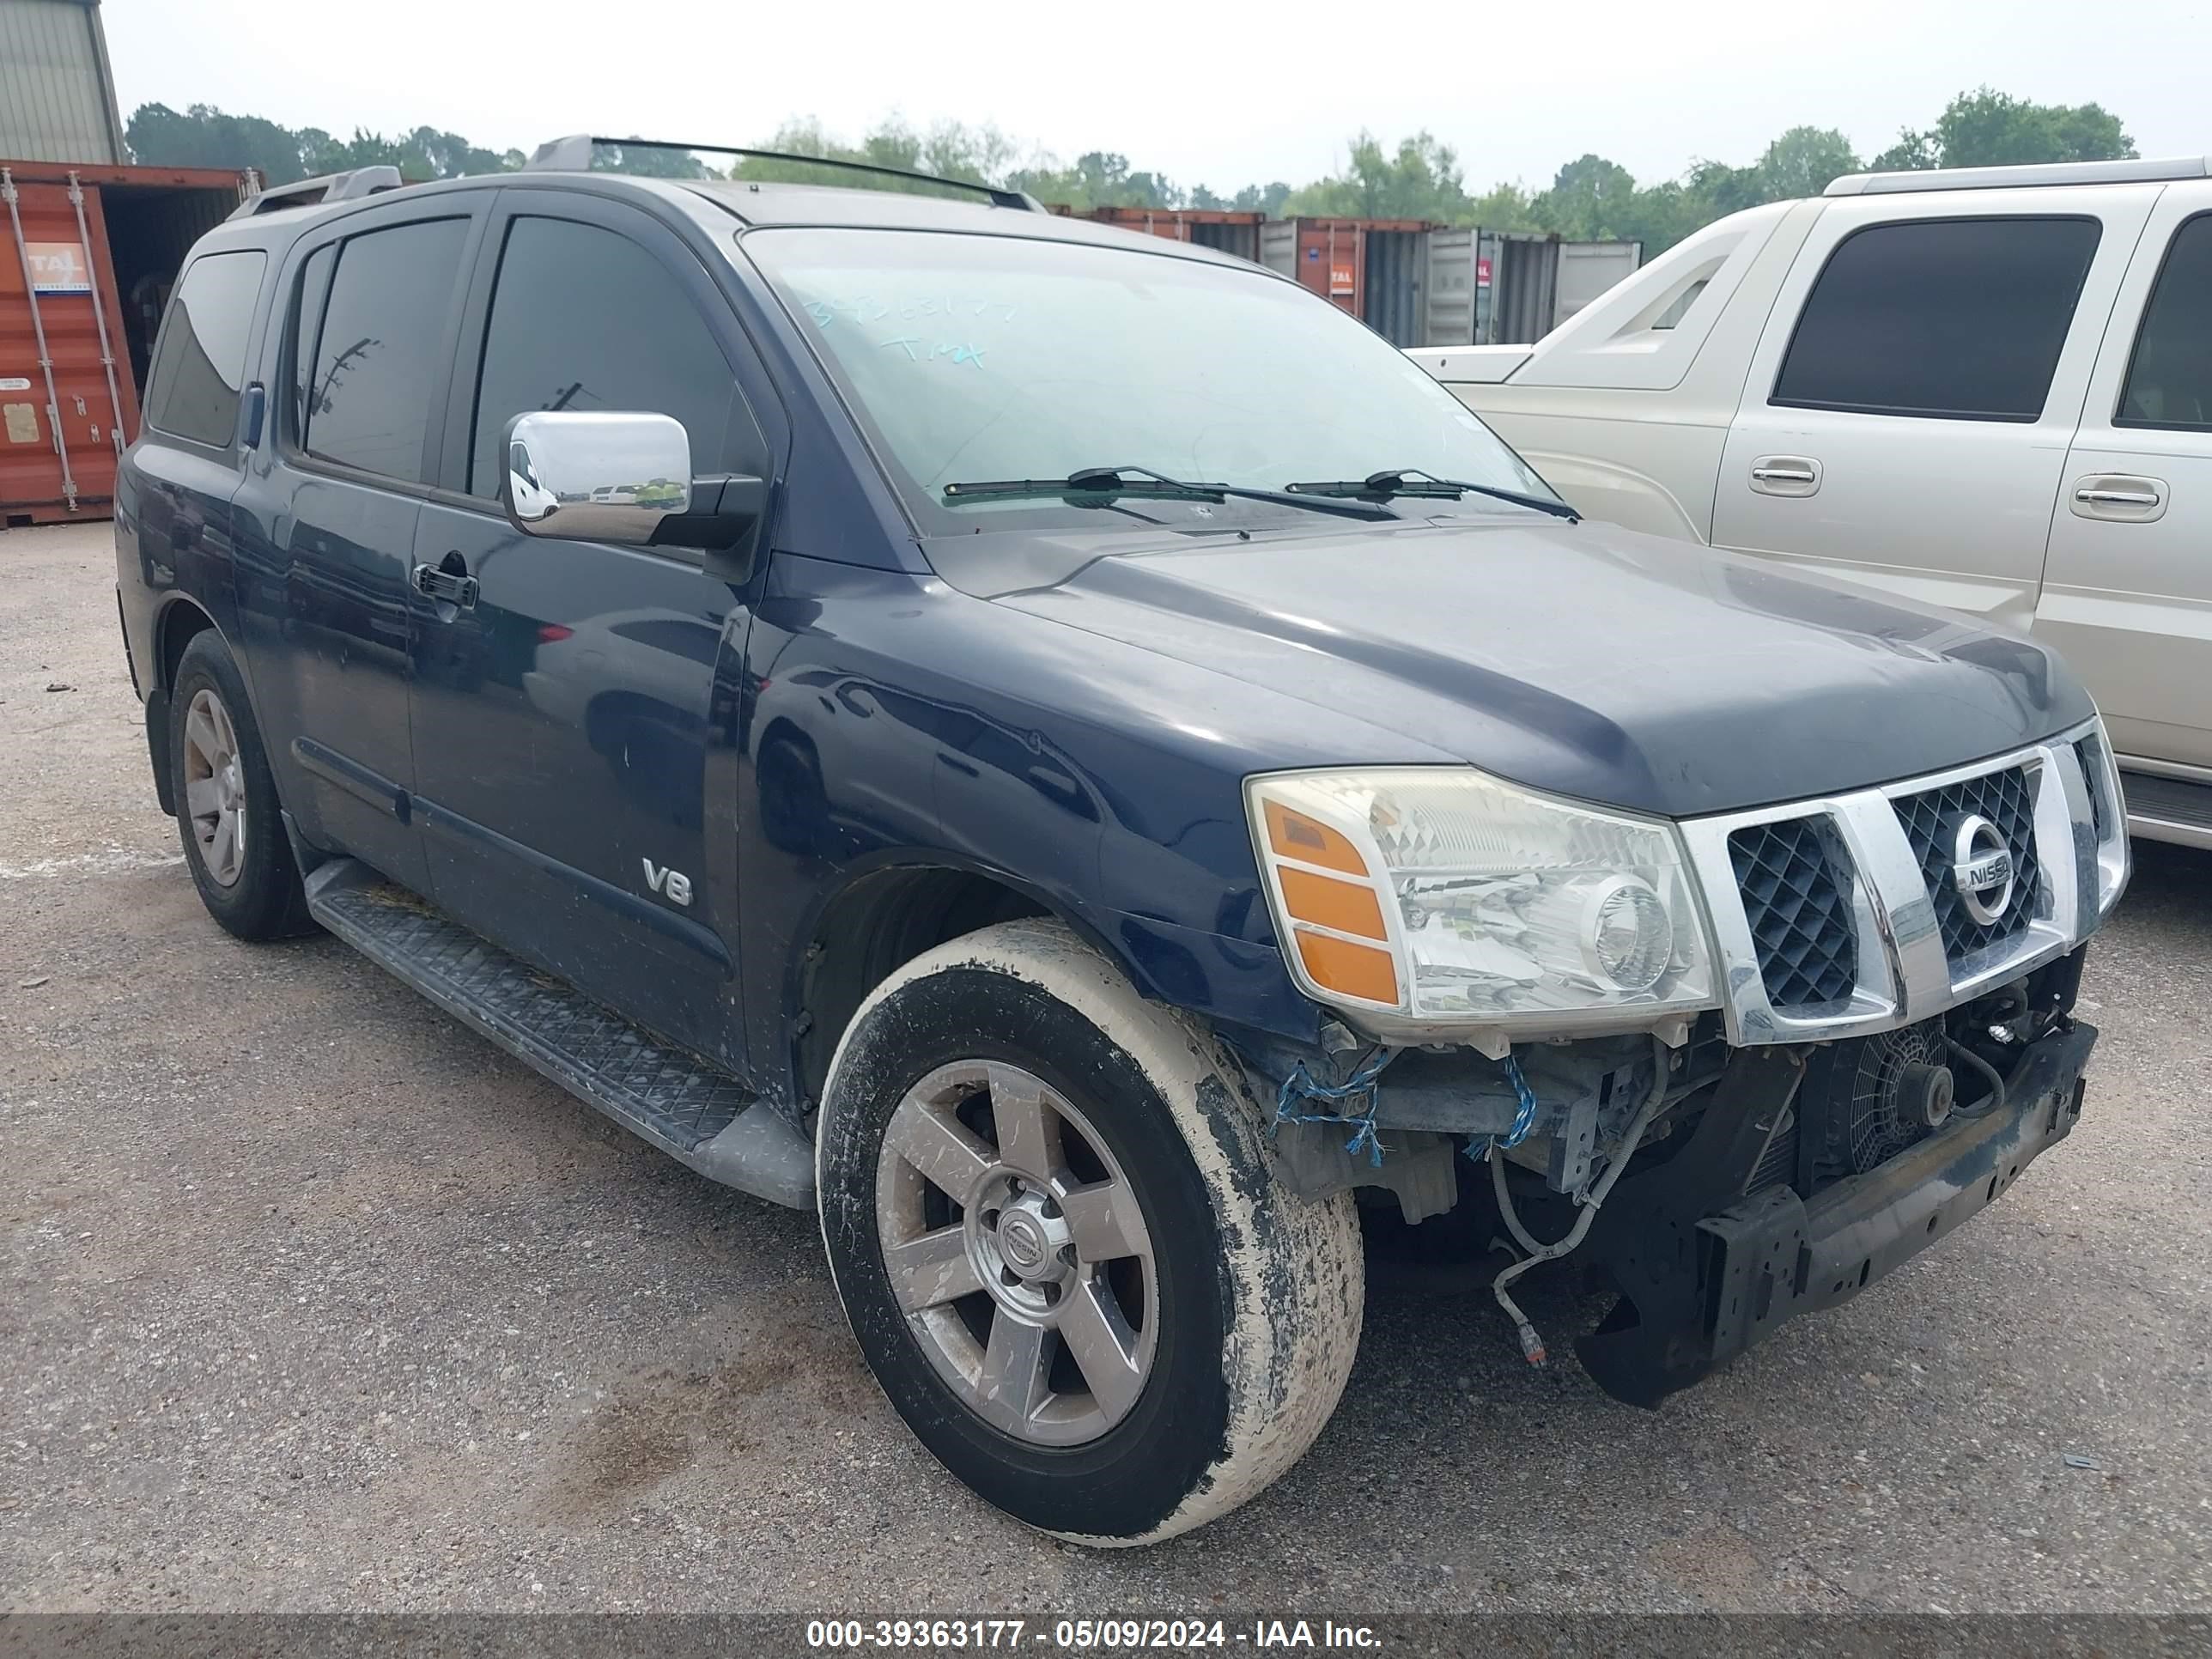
(1987, 389)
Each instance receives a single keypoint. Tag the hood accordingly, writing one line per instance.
(1585, 659)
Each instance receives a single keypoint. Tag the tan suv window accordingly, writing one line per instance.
(1958, 319)
(2170, 378)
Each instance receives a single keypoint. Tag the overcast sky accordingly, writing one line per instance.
(1207, 93)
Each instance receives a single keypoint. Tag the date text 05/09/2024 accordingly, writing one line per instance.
(1087, 1635)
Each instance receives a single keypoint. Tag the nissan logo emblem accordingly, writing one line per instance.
(1981, 869)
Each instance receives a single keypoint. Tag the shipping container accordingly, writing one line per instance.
(1376, 269)
(1215, 227)
(1588, 270)
(57, 89)
(1487, 287)
(88, 258)
(1459, 279)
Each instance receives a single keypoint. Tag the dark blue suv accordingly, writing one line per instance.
(1065, 751)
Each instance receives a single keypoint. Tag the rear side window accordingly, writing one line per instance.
(1960, 319)
(307, 318)
(200, 367)
(2170, 377)
(586, 318)
(380, 355)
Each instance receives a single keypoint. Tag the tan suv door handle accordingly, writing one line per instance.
(1785, 475)
(2119, 496)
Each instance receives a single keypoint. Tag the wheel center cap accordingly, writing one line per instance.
(1023, 1241)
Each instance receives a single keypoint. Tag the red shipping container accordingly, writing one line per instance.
(1328, 256)
(1222, 229)
(87, 255)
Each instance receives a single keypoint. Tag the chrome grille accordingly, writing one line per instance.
(1837, 916)
(1931, 819)
(1797, 901)
(2091, 753)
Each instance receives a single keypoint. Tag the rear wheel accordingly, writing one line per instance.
(227, 809)
(1050, 1215)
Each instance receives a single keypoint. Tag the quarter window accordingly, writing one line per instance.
(307, 319)
(192, 390)
(1959, 319)
(2170, 378)
(379, 357)
(586, 318)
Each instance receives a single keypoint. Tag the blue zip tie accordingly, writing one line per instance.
(1300, 1085)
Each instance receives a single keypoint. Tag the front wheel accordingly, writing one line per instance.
(1050, 1216)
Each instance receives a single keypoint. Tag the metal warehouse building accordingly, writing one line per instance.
(57, 91)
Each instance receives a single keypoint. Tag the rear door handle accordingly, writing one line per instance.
(1785, 475)
(2120, 497)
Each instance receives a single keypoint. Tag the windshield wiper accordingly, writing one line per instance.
(1414, 482)
(1104, 482)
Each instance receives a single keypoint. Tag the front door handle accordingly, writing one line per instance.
(455, 587)
(1785, 475)
(2120, 497)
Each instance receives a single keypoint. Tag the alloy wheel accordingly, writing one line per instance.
(214, 787)
(1018, 1251)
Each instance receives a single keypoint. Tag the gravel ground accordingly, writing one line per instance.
(316, 1301)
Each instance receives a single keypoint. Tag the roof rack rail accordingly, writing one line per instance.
(2049, 173)
(331, 187)
(573, 154)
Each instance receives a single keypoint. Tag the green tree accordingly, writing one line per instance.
(983, 155)
(1504, 207)
(1261, 198)
(949, 149)
(1659, 215)
(1097, 178)
(1987, 128)
(1588, 199)
(1420, 180)
(1802, 162)
(206, 136)
(650, 160)
(421, 154)
(203, 135)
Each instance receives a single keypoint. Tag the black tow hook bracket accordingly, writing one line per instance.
(1649, 1237)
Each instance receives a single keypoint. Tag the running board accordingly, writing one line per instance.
(660, 1093)
(2168, 809)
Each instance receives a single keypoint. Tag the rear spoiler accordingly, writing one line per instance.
(331, 187)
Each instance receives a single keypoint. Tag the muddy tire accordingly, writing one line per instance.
(227, 813)
(1051, 1217)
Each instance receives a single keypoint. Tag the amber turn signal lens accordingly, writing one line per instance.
(1295, 835)
(1344, 906)
(1353, 970)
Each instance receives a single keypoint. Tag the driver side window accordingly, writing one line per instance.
(583, 318)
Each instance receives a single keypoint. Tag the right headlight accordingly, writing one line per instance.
(1444, 897)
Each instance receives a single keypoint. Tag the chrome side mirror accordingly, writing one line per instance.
(594, 476)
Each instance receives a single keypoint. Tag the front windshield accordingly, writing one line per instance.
(988, 358)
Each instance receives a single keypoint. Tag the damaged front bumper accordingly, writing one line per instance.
(1705, 1269)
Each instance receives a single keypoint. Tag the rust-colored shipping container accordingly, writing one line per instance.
(88, 257)
(1332, 256)
(1224, 228)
